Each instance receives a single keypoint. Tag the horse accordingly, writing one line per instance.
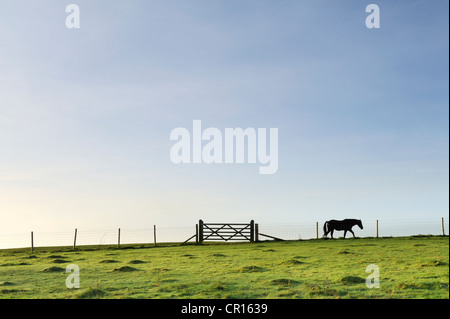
(345, 225)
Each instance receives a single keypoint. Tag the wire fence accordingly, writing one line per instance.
(375, 228)
(159, 235)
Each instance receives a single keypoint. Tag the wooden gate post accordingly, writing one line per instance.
(32, 242)
(196, 233)
(200, 231)
(252, 231)
(256, 232)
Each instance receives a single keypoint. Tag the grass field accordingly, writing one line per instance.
(410, 267)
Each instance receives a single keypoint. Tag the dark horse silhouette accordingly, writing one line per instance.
(345, 225)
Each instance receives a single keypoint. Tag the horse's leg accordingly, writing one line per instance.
(345, 233)
(352, 233)
(332, 231)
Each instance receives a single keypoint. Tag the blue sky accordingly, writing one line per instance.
(86, 114)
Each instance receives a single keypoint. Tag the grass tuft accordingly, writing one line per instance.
(352, 280)
(108, 261)
(54, 269)
(284, 282)
(136, 261)
(292, 262)
(90, 293)
(343, 252)
(56, 256)
(125, 269)
(6, 283)
(315, 291)
(250, 269)
(434, 263)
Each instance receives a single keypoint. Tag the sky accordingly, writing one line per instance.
(86, 113)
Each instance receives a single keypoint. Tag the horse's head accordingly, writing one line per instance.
(360, 224)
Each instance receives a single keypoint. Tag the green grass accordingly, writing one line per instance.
(410, 267)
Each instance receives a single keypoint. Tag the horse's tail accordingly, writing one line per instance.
(325, 229)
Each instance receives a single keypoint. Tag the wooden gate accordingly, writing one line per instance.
(225, 232)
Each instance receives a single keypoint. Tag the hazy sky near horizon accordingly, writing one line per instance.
(86, 114)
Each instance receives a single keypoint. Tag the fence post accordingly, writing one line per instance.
(196, 233)
(256, 232)
(252, 231)
(377, 228)
(118, 239)
(442, 224)
(317, 230)
(154, 234)
(32, 242)
(200, 231)
(75, 239)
